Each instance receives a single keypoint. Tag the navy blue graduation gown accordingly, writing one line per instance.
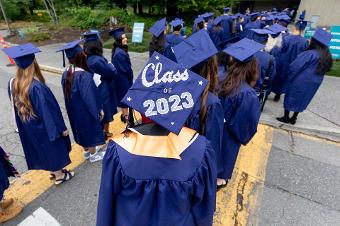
(216, 36)
(263, 58)
(227, 27)
(174, 39)
(167, 52)
(44, 146)
(83, 109)
(4, 174)
(149, 191)
(292, 45)
(213, 125)
(303, 81)
(124, 78)
(107, 93)
(247, 33)
(241, 114)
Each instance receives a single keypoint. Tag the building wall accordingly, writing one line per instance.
(328, 10)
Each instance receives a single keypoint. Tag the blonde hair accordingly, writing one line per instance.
(21, 87)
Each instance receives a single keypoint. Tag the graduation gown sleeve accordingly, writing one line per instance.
(47, 109)
(204, 189)
(243, 124)
(89, 94)
(105, 69)
(123, 64)
(299, 64)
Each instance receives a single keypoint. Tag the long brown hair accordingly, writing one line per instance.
(21, 88)
(78, 61)
(239, 72)
(208, 70)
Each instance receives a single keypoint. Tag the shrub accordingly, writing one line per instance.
(40, 36)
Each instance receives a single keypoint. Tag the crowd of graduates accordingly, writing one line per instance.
(200, 98)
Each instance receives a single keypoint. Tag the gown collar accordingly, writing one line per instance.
(170, 146)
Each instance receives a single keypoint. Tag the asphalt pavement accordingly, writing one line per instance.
(300, 177)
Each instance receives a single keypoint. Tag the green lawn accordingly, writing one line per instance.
(335, 69)
(137, 47)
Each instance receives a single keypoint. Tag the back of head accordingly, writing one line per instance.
(325, 58)
(93, 48)
(157, 44)
(239, 72)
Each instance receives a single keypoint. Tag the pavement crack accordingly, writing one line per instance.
(292, 139)
(334, 123)
(300, 196)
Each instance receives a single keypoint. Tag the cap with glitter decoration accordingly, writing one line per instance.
(195, 49)
(91, 36)
(117, 33)
(23, 55)
(158, 28)
(322, 36)
(244, 49)
(165, 92)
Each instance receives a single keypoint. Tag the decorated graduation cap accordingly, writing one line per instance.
(198, 20)
(322, 36)
(158, 28)
(229, 42)
(23, 55)
(194, 49)
(176, 22)
(165, 92)
(91, 36)
(117, 33)
(71, 49)
(244, 49)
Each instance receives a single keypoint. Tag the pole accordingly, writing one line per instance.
(48, 10)
(5, 17)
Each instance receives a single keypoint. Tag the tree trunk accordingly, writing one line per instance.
(140, 8)
(135, 7)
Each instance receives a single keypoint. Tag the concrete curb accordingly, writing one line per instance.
(54, 70)
(317, 131)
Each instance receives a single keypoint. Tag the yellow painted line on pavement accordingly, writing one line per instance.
(33, 183)
(239, 203)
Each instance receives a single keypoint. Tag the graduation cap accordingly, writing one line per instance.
(117, 33)
(207, 16)
(284, 18)
(91, 36)
(71, 50)
(276, 28)
(226, 9)
(158, 28)
(244, 49)
(195, 49)
(322, 36)
(228, 42)
(198, 20)
(261, 35)
(254, 15)
(301, 25)
(176, 22)
(302, 15)
(23, 55)
(237, 15)
(269, 17)
(165, 92)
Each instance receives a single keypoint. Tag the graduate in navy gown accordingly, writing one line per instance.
(266, 65)
(207, 115)
(292, 46)
(306, 74)
(9, 208)
(82, 102)
(175, 37)
(43, 134)
(253, 24)
(159, 42)
(226, 24)
(198, 24)
(240, 102)
(97, 63)
(121, 60)
(159, 173)
(216, 31)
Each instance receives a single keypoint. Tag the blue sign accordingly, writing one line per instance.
(334, 45)
(137, 32)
